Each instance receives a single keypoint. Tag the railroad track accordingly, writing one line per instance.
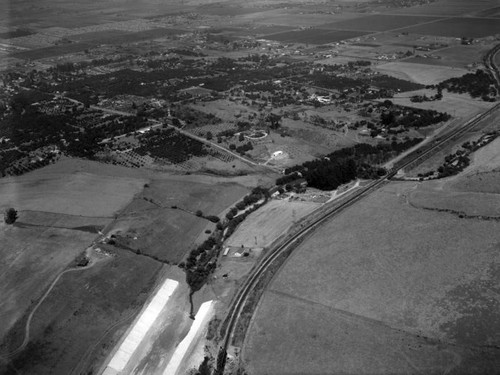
(241, 298)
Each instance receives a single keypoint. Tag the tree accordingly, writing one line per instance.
(10, 216)
(387, 118)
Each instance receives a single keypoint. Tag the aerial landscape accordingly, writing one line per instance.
(247, 188)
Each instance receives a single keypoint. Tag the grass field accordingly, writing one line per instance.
(266, 224)
(81, 308)
(457, 105)
(384, 288)
(170, 233)
(42, 253)
(468, 203)
(61, 209)
(462, 56)
(60, 213)
(79, 193)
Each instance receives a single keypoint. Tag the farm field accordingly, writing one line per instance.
(170, 233)
(294, 19)
(491, 12)
(314, 36)
(100, 38)
(449, 8)
(425, 74)
(459, 56)
(387, 288)
(379, 22)
(458, 27)
(269, 222)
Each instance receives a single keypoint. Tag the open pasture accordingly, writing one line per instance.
(385, 286)
(86, 313)
(82, 194)
(269, 222)
(467, 203)
(481, 182)
(41, 251)
(458, 27)
(483, 175)
(314, 36)
(379, 22)
(295, 336)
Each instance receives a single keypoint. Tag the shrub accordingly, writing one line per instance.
(10, 216)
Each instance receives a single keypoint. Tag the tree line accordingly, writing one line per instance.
(347, 164)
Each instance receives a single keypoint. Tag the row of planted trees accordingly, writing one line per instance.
(202, 260)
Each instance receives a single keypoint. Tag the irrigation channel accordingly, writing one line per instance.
(240, 300)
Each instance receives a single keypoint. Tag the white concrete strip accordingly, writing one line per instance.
(183, 347)
(140, 328)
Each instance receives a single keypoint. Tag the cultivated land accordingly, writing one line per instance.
(391, 285)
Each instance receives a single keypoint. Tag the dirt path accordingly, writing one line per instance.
(30, 316)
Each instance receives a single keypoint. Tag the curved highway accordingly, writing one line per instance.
(489, 63)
